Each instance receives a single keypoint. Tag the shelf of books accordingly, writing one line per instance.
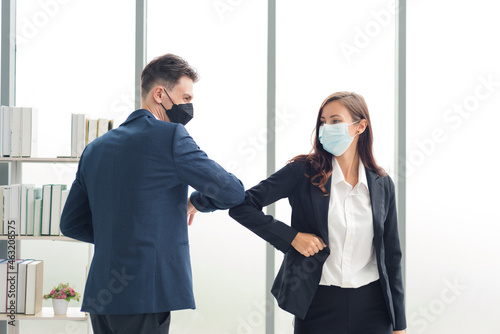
(28, 212)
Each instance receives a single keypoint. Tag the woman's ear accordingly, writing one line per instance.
(362, 126)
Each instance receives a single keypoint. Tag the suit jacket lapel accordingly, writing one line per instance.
(320, 204)
(377, 198)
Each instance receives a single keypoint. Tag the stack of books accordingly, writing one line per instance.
(30, 211)
(84, 131)
(19, 135)
(21, 284)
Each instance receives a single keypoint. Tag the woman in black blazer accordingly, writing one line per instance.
(342, 267)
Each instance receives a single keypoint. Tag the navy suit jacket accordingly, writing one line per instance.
(299, 276)
(129, 199)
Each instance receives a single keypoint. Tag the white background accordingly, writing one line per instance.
(77, 56)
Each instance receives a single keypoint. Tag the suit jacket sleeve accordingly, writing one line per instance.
(216, 188)
(76, 218)
(249, 214)
(393, 260)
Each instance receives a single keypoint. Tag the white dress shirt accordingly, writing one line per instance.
(352, 262)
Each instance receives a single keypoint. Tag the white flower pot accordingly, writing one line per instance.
(60, 306)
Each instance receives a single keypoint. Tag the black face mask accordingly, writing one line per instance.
(179, 113)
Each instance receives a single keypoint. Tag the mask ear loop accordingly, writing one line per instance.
(168, 98)
(168, 95)
(354, 123)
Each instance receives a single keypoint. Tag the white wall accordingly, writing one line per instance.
(452, 228)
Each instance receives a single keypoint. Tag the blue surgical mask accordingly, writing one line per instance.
(335, 138)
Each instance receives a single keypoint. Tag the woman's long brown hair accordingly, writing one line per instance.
(321, 160)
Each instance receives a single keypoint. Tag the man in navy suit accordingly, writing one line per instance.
(130, 199)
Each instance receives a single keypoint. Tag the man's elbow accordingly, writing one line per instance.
(237, 195)
(237, 210)
(239, 198)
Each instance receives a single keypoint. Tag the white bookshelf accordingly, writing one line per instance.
(48, 237)
(16, 165)
(47, 313)
(40, 160)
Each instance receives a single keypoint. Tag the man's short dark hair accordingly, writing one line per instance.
(165, 70)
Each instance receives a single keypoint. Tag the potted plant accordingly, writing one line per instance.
(61, 295)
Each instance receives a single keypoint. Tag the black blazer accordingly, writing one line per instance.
(299, 276)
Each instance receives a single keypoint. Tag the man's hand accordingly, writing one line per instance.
(399, 332)
(191, 211)
(308, 244)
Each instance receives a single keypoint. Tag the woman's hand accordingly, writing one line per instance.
(191, 210)
(308, 244)
(399, 332)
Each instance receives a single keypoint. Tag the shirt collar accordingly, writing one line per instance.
(362, 174)
(338, 176)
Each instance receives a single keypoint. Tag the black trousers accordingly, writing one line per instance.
(337, 310)
(148, 323)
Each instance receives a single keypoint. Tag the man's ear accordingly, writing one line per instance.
(157, 92)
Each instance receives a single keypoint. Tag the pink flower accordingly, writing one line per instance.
(52, 292)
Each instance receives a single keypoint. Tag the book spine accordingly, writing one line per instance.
(15, 130)
(6, 131)
(74, 133)
(37, 220)
(46, 205)
(81, 135)
(15, 209)
(26, 132)
(7, 190)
